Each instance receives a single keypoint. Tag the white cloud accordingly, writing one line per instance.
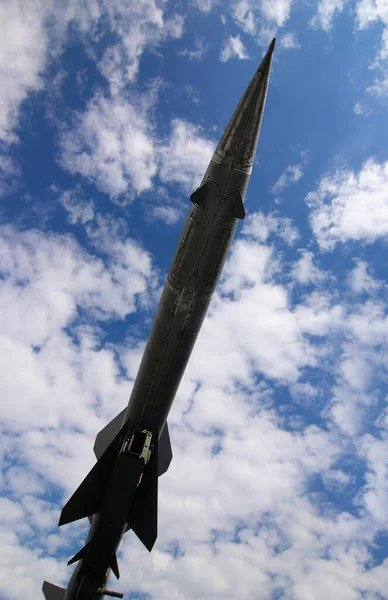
(79, 210)
(276, 10)
(379, 87)
(160, 206)
(60, 276)
(23, 45)
(260, 227)
(184, 157)
(367, 13)
(376, 491)
(253, 505)
(198, 53)
(233, 48)
(31, 36)
(263, 17)
(370, 11)
(350, 205)
(168, 214)
(304, 271)
(243, 14)
(138, 26)
(289, 41)
(292, 174)
(361, 110)
(112, 145)
(9, 175)
(326, 12)
(205, 5)
(360, 281)
(10, 511)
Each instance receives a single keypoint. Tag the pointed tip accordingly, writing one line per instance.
(266, 62)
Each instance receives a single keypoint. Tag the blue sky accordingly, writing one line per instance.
(109, 113)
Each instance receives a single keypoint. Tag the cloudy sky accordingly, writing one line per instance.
(109, 113)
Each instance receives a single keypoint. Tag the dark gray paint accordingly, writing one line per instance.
(199, 258)
(110, 491)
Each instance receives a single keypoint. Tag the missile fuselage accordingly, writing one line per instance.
(120, 492)
(218, 204)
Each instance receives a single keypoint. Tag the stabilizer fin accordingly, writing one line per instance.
(239, 208)
(114, 565)
(107, 434)
(88, 497)
(53, 592)
(199, 196)
(143, 514)
(164, 451)
(79, 555)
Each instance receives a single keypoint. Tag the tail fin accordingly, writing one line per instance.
(143, 513)
(82, 553)
(53, 592)
(106, 436)
(164, 451)
(88, 497)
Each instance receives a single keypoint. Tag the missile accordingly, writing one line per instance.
(133, 450)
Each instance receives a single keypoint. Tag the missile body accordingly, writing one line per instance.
(120, 492)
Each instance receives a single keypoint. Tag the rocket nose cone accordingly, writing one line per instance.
(266, 62)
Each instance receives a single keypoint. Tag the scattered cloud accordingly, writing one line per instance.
(281, 417)
(304, 271)
(138, 26)
(111, 144)
(244, 16)
(326, 12)
(361, 281)
(290, 175)
(198, 53)
(289, 41)
(79, 210)
(368, 13)
(350, 205)
(262, 18)
(361, 110)
(168, 214)
(277, 11)
(54, 445)
(233, 48)
(260, 226)
(184, 157)
(9, 175)
(23, 49)
(205, 5)
(31, 38)
(192, 93)
(164, 208)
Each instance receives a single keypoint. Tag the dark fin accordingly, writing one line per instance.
(164, 451)
(53, 592)
(143, 514)
(79, 555)
(239, 208)
(204, 196)
(199, 196)
(114, 565)
(108, 434)
(87, 499)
